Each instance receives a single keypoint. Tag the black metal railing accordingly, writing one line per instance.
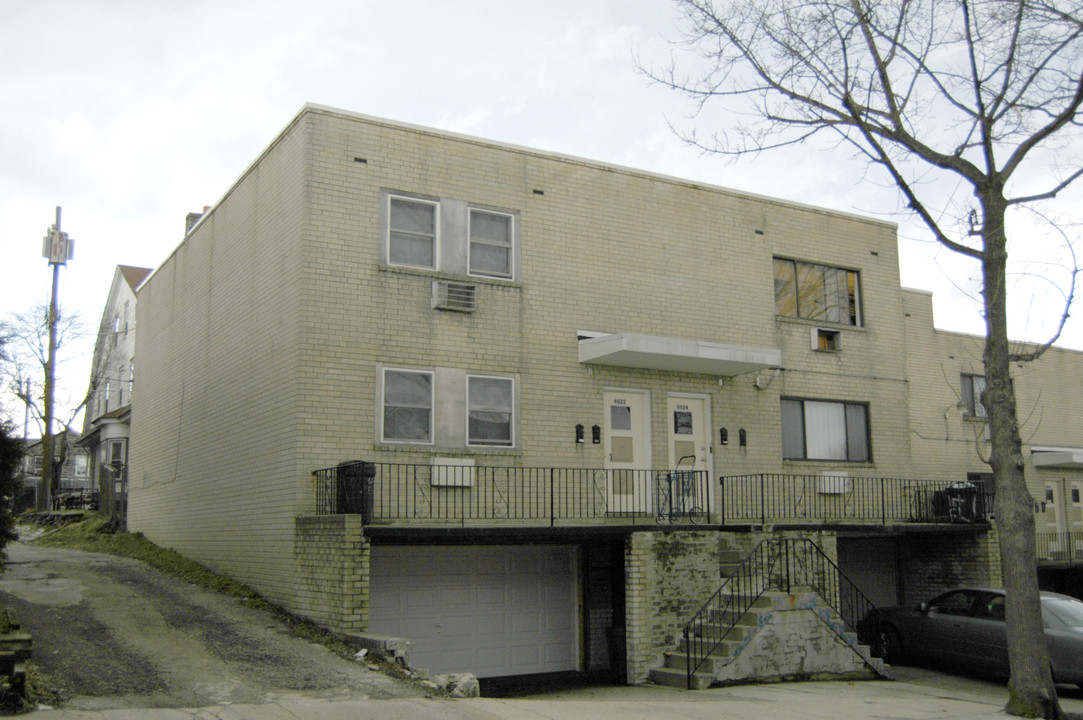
(462, 493)
(781, 564)
(404, 492)
(1062, 547)
(830, 497)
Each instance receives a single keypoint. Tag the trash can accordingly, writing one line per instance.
(960, 503)
(353, 494)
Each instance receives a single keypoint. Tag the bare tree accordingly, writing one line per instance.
(982, 95)
(24, 339)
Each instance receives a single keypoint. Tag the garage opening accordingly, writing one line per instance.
(490, 610)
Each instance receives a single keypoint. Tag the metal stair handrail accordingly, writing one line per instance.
(774, 564)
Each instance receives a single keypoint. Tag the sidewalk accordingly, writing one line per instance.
(790, 701)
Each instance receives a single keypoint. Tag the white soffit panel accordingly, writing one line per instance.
(651, 352)
(1057, 458)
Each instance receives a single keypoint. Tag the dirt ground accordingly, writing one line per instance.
(111, 632)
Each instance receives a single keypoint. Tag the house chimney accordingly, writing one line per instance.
(193, 218)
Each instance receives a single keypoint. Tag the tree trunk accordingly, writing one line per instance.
(1031, 689)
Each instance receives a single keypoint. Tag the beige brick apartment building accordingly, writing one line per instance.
(526, 346)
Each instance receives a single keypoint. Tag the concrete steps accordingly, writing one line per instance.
(735, 656)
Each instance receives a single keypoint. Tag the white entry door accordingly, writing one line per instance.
(689, 432)
(689, 441)
(1054, 508)
(627, 452)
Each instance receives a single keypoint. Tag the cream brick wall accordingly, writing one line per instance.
(332, 562)
(602, 249)
(261, 337)
(216, 469)
(1049, 400)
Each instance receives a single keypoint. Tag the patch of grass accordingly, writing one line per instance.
(33, 693)
(93, 534)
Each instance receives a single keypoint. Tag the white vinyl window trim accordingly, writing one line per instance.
(491, 245)
(825, 430)
(972, 388)
(490, 411)
(407, 406)
(413, 232)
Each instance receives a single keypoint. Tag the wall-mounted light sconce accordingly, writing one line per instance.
(596, 434)
(579, 433)
(742, 437)
(723, 436)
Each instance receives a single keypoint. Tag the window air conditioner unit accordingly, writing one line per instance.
(834, 483)
(452, 472)
(825, 339)
(460, 297)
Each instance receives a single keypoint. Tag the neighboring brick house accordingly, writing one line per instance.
(108, 411)
(525, 345)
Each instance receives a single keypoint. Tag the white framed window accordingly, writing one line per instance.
(817, 292)
(491, 241)
(412, 232)
(825, 430)
(972, 388)
(490, 409)
(407, 406)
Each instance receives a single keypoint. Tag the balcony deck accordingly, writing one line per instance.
(428, 496)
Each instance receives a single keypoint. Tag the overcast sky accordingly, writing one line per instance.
(130, 115)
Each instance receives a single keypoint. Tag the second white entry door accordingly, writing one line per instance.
(627, 452)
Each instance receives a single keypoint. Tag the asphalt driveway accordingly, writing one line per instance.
(111, 632)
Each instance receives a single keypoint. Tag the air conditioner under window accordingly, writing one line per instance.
(834, 483)
(452, 472)
(460, 297)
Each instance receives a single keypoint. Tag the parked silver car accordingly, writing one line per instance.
(966, 626)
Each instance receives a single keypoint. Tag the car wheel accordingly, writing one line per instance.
(889, 644)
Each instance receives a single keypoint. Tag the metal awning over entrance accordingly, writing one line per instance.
(652, 352)
(1062, 458)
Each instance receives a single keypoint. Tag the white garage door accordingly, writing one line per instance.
(489, 610)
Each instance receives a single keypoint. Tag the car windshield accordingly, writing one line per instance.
(1069, 612)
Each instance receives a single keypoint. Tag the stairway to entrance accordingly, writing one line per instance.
(783, 612)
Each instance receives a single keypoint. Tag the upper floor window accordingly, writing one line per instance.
(817, 292)
(116, 453)
(407, 406)
(449, 236)
(972, 388)
(490, 243)
(412, 232)
(824, 430)
(490, 410)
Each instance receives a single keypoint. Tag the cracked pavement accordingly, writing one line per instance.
(112, 632)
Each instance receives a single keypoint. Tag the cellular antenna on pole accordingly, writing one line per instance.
(57, 248)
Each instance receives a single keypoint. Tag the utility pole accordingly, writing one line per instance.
(57, 249)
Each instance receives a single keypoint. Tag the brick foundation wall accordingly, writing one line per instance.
(669, 575)
(931, 564)
(331, 555)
